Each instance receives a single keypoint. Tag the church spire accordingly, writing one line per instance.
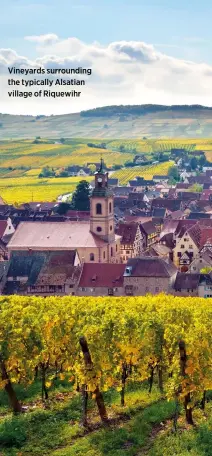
(101, 168)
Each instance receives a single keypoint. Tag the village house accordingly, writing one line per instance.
(190, 244)
(157, 178)
(148, 275)
(149, 230)
(43, 273)
(186, 284)
(101, 280)
(169, 204)
(204, 260)
(113, 182)
(205, 286)
(6, 228)
(132, 240)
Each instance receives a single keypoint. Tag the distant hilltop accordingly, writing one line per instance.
(114, 122)
(138, 110)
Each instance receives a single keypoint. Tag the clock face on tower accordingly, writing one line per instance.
(99, 179)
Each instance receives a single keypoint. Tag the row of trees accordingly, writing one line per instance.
(102, 343)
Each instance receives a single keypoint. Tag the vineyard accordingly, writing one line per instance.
(126, 174)
(24, 189)
(21, 162)
(102, 360)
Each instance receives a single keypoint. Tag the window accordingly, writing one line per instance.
(116, 248)
(127, 252)
(110, 208)
(98, 208)
(129, 290)
(104, 255)
(110, 291)
(179, 254)
(111, 227)
(182, 246)
(99, 229)
(190, 247)
(91, 256)
(111, 251)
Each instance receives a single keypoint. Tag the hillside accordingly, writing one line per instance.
(22, 162)
(151, 121)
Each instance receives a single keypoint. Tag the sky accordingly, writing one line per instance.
(152, 51)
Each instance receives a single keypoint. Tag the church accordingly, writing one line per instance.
(95, 241)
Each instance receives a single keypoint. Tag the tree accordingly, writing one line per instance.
(129, 164)
(202, 160)
(47, 172)
(81, 197)
(63, 208)
(92, 168)
(206, 270)
(62, 140)
(193, 163)
(63, 173)
(195, 188)
(173, 173)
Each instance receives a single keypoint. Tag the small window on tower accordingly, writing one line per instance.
(111, 227)
(91, 256)
(99, 229)
(98, 208)
(110, 208)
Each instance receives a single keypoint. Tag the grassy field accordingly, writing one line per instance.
(142, 428)
(21, 162)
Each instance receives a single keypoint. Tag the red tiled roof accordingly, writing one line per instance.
(137, 219)
(78, 214)
(150, 267)
(200, 234)
(186, 281)
(148, 227)
(127, 231)
(102, 275)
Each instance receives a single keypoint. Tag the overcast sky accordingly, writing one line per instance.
(155, 51)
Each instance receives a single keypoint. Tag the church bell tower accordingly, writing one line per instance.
(102, 207)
